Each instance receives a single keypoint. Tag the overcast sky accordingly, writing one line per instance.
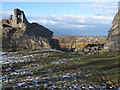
(67, 18)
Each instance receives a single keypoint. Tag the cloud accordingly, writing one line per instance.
(101, 8)
(75, 24)
(60, 0)
(5, 15)
(73, 19)
(80, 26)
(70, 19)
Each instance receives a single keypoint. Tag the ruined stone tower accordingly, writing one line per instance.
(19, 18)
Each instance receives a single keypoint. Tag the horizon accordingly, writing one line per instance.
(67, 18)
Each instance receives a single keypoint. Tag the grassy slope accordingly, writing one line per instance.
(106, 65)
(103, 66)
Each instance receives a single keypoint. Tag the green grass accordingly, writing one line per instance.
(105, 66)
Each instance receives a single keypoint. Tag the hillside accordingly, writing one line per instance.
(79, 41)
(34, 59)
(51, 69)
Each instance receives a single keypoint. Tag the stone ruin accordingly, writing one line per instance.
(113, 41)
(17, 33)
(18, 21)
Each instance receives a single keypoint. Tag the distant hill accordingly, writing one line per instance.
(79, 41)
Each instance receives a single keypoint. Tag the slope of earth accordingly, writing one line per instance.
(52, 69)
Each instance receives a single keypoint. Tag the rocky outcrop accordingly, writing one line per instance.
(19, 33)
(113, 40)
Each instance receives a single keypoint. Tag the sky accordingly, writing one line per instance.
(67, 18)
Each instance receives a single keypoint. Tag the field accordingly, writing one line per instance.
(57, 69)
(79, 42)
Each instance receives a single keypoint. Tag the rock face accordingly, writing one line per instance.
(19, 33)
(113, 40)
